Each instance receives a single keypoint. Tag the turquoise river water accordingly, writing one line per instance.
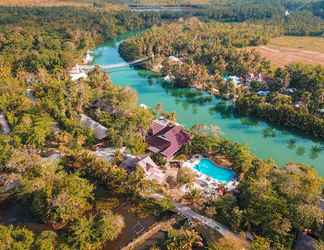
(194, 107)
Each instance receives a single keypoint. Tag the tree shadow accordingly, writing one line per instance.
(224, 109)
(189, 95)
(315, 152)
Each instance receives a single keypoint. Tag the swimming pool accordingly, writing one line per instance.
(209, 168)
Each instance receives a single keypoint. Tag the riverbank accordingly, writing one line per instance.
(197, 107)
(245, 99)
(226, 67)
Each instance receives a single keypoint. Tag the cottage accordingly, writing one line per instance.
(255, 77)
(321, 112)
(169, 78)
(298, 104)
(174, 60)
(291, 90)
(99, 131)
(4, 124)
(166, 138)
(77, 73)
(152, 171)
(263, 92)
(109, 153)
(89, 58)
(235, 79)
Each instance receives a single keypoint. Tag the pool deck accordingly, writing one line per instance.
(205, 181)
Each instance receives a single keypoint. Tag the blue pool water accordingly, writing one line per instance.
(209, 168)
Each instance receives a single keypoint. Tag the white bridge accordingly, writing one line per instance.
(114, 66)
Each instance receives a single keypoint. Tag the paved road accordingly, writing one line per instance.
(194, 216)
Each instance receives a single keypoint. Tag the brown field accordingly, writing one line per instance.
(315, 44)
(286, 50)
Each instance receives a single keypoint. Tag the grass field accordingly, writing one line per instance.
(315, 44)
(287, 49)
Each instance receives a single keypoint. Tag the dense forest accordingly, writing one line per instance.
(298, 110)
(211, 45)
(42, 106)
(210, 52)
(268, 202)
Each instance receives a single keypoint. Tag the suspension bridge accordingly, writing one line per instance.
(114, 66)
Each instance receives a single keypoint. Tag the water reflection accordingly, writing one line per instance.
(300, 151)
(269, 132)
(187, 95)
(224, 109)
(291, 143)
(315, 152)
(150, 81)
(194, 107)
(249, 122)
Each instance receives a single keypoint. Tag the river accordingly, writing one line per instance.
(194, 107)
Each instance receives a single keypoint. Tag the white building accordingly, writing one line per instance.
(152, 171)
(235, 79)
(89, 58)
(174, 59)
(263, 92)
(77, 73)
(4, 124)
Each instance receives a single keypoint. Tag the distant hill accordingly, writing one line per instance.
(160, 2)
(90, 2)
(44, 2)
(317, 8)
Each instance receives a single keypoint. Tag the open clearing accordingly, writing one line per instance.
(285, 50)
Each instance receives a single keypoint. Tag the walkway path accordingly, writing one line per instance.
(192, 215)
(114, 66)
(187, 212)
(143, 238)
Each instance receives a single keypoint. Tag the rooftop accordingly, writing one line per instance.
(99, 131)
(166, 138)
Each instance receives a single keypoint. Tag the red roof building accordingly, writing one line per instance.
(166, 138)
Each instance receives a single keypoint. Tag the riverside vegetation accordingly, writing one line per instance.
(42, 107)
(211, 51)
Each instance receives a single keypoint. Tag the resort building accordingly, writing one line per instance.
(174, 60)
(99, 131)
(77, 73)
(321, 112)
(263, 92)
(4, 124)
(89, 58)
(152, 171)
(166, 138)
(109, 153)
(234, 79)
